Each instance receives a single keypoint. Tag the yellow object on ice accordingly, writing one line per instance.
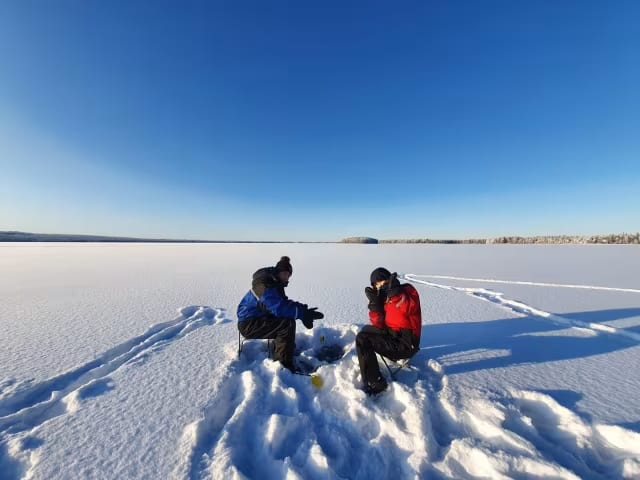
(316, 380)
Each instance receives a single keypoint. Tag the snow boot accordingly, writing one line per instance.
(376, 387)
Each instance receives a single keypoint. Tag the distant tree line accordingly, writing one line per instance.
(439, 241)
(614, 238)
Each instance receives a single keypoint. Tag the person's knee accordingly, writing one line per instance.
(362, 340)
(287, 327)
(242, 329)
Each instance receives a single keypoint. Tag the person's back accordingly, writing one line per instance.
(267, 291)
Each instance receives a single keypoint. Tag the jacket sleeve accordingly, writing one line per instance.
(411, 309)
(376, 319)
(281, 306)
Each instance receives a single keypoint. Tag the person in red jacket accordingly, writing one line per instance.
(396, 324)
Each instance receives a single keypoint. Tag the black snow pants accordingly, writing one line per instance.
(283, 330)
(393, 345)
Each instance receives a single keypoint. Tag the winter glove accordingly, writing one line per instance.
(376, 301)
(310, 315)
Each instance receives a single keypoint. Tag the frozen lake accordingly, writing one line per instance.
(527, 352)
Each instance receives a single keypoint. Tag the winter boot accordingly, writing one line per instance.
(376, 387)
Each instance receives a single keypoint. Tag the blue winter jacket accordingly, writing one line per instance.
(267, 298)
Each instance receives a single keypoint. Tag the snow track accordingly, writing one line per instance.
(521, 308)
(526, 434)
(530, 284)
(25, 409)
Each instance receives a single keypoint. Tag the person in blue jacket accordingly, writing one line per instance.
(266, 311)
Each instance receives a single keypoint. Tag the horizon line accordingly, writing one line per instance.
(22, 237)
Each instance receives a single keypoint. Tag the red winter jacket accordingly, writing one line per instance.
(401, 311)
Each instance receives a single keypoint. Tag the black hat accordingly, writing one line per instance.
(380, 274)
(284, 265)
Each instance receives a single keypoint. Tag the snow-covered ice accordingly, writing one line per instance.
(120, 361)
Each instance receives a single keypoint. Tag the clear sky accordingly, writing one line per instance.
(316, 120)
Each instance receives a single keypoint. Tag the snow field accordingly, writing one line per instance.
(22, 412)
(502, 388)
(265, 421)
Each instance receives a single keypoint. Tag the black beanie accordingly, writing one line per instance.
(380, 274)
(284, 265)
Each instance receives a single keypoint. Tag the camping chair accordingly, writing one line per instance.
(270, 348)
(396, 365)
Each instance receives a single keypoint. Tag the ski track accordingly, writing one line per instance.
(28, 408)
(524, 309)
(516, 282)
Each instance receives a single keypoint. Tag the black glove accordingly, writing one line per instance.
(376, 301)
(310, 315)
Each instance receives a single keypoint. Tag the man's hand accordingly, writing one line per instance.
(310, 315)
(376, 301)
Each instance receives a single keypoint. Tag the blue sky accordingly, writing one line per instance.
(299, 120)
